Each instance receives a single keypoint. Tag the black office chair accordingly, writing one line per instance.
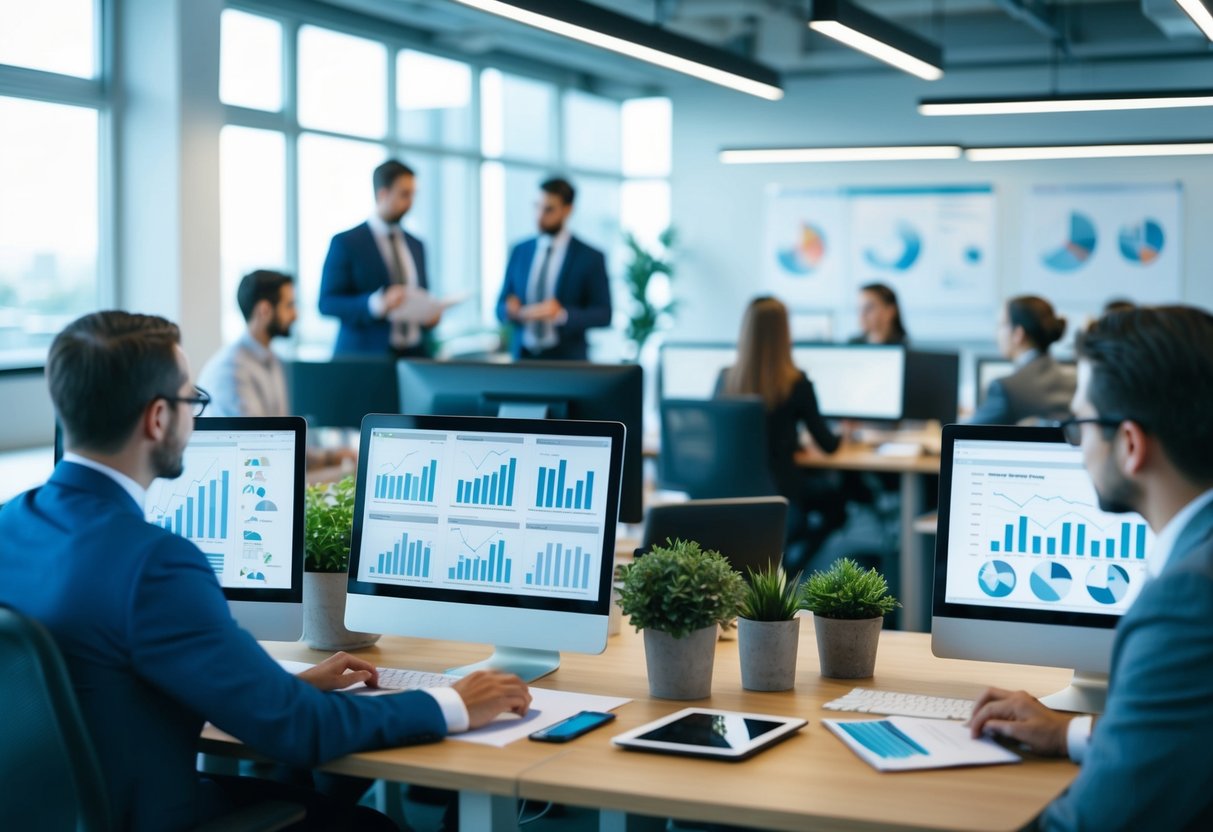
(50, 774)
(748, 531)
(715, 448)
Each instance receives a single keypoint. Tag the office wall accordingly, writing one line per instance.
(720, 209)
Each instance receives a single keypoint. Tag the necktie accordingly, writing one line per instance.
(540, 335)
(404, 335)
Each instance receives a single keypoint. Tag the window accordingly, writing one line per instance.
(250, 63)
(433, 100)
(524, 129)
(646, 137)
(342, 83)
(51, 35)
(592, 132)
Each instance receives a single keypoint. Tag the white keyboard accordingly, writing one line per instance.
(892, 703)
(393, 678)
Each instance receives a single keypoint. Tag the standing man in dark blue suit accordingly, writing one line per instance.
(137, 611)
(1142, 417)
(370, 270)
(555, 285)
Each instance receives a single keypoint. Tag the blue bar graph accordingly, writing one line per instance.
(495, 569)
(558, 567)
(410, 487)
(495, 489)
(1015, 538)
(194, 516)
(552, 491)
(407, 559)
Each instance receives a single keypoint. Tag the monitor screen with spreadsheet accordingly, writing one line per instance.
(499, 531)
(1028, 568)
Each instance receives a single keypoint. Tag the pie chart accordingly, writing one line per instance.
(1108, 583)
(1142, 243)
(996, 578)
(902, 252)
(1051, 581)
(804, 257)
(1078, 247)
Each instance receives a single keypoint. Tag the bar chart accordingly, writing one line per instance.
(408, 558)
(199, 510)
(561, 567)
(556, 489)
(495, 489)
(1073, 539)
(415, 486)
(496, 568)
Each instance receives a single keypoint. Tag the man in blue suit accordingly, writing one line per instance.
(1142, 417)
(555, 285)
(370, 271)
(137, 611)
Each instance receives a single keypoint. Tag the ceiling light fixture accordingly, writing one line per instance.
(1200, 13)
(795, 155)
(625, 35)
(871, 34)
(1077, 103)
(1087, 151)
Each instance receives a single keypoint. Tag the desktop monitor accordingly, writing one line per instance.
(748, 531)
(536, 389)
(932, 386)
(689, 370)
(338, 393)
(1028, 569)
(498, 531)
(855, 381)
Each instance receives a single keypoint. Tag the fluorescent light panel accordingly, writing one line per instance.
(875, 36)
(1087, 151)
(627, 36)
(793, 155)
(1200, 13)
(1078, 103)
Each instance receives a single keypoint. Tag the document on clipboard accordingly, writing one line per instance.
(420, 306)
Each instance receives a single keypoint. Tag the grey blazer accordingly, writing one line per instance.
(1040, 389)
(1150, 762)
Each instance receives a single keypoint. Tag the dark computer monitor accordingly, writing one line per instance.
(748, 531)
(932, 388)
(536, 389)
(338, 393)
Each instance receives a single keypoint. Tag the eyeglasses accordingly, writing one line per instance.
(198, 403)
(1071, 429)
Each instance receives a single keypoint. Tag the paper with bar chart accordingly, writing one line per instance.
(514, 513)
(1031, 535)
(229, 501)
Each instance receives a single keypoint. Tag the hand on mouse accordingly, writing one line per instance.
(487, 693)
(1021, 717)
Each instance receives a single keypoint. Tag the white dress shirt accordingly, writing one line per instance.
(387, 237)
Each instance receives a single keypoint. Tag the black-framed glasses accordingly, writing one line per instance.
(1071, 429)
(197, 402)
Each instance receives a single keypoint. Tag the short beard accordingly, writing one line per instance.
(168, 458)
(277, 330)
(1119, 496)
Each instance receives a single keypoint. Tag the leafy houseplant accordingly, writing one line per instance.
(329, 525)
(678, 594)
(768, 633)
(848, 605)
(649, 310)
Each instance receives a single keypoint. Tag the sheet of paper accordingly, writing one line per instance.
(420, 306)
(903, 743)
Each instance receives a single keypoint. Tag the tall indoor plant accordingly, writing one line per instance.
(848, 605)
(768, 634)
(678, 594)
(329, 510)
(647, 278)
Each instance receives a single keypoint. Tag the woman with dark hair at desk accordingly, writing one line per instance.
(765, 369)
(1039, 388)
(880, 317)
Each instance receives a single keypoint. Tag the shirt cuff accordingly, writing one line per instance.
(376, 305)
(1078, 737)
(562, 318)
(453, 710)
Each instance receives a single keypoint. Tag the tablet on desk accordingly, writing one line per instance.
(703, 732)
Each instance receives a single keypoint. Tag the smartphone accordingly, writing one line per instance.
(573, 727)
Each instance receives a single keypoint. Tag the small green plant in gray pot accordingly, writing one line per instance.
(679, 594)
(768, 633)
(848, 605)
(329, 525)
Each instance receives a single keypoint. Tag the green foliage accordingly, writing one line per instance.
(328, 526)
(846, 590)
(770, 596)
(679, 588)
(646, 317)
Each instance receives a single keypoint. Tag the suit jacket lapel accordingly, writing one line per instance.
(369, 253)
(1196, 532)
(566, 268)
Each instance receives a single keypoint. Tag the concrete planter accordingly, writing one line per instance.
(768, 653)
(324, 614)
(680, 668)
(847, 647)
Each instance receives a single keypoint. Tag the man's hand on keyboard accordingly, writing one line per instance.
(1021, 717)
(340, 670)
(487, 693)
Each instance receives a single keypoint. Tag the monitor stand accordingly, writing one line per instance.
(526, 663)
(1085, 695)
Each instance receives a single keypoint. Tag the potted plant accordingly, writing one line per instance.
(768, 633)
(679, 594)
(848, 605)
(329, 524)
(652, 306)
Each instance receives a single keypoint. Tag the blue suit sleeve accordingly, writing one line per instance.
(595, 308)
(1149, 764)
(996, 409)
(509, 286)
(185, 642)
(339, 296)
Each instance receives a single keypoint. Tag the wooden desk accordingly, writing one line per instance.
(810, 780)
(916, 561)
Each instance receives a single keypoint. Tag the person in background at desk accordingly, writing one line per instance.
(1141, 416)
(370, 270)
(765, 369)
(1040, 388)
(880, 317)
(245, 378)
(555, 285)
(139, 617)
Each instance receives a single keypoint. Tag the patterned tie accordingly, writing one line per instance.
(404, 335)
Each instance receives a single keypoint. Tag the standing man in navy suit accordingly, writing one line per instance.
(555, 285)
(370, 270)
(1141, 416)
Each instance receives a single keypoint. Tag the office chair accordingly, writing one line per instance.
(51, 776)
(748, 531)
(714, 448)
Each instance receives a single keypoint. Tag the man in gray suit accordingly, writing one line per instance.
(1144, 419)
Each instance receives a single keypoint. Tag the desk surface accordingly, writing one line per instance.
(811, 778)
(852, 456)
